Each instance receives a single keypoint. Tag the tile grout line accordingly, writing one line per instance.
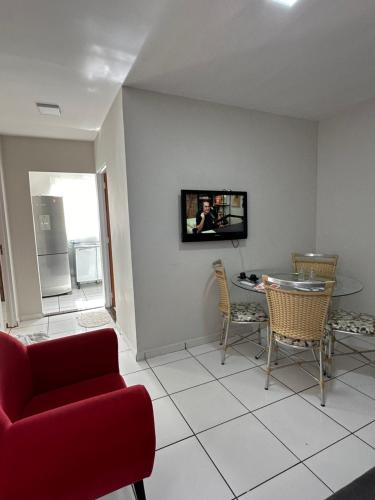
(355, 388)
(300, 460)
(283, 444)
(194, 435)
(251, 411)
(319, 408)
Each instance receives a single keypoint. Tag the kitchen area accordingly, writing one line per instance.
(67, 238)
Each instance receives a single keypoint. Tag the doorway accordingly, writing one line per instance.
(106, 237)
(68, 241)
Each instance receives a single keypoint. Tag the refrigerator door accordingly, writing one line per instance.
(49, 222)
(54, 272)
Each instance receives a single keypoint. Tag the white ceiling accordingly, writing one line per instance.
(311, 60)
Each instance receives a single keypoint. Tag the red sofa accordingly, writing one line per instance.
(70, 429)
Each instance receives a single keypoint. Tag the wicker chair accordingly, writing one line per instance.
(240, 313)
(322, 265)
(298, 319)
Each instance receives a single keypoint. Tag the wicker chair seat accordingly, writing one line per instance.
(352, 322)
(247, 312)
(311, 344)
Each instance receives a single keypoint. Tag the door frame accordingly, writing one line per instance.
(105, 239)
(6, 259)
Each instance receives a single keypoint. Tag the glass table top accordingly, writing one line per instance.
(344, 284)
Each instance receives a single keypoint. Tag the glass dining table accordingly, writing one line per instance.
(344, 284)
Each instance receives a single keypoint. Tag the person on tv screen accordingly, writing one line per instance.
(207, 220)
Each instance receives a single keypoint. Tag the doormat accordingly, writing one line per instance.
(94, 318)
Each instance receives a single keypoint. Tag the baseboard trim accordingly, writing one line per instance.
(178, 346)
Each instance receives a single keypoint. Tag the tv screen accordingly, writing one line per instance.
(213, 215)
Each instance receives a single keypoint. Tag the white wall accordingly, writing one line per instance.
(174, 143)
(346, 197)
(20, 156)
(110, 151)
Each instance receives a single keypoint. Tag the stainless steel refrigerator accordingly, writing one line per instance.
(52, 245)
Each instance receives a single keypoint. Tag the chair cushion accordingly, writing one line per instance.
(312, 344)
(247, 312)
(74, 392)
(352, 322)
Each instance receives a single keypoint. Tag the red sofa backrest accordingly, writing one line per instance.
(15, 379)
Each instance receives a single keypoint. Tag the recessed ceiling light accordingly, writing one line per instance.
(48, 109)
(288, 3)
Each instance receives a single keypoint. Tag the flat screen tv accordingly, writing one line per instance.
(208, 215)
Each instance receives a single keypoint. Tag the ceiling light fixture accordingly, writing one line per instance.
(287, 3)
(48, 109)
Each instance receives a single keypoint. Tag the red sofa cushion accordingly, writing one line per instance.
(73, 393)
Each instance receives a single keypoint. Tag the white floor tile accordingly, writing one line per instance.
(234, 362)
(65, 334)
(343, 364)
(123, 494)
(68, 325)
(207, 405)
(362, 379)
(301, 427)
(92, 303)
(50, 309)
(183, 471)
(74, 306)
(148, 379)
(245, 452)
(63, 317)
(250, 350)
(92, 290)
(169, 424)
(29, 330)
(344, 404)
(70, 299)
(210, 346)
(293, 377)
(248, 387)
(368, 338)
(294, 484)
(122, 343)
(103, 327)
(359, 343)
(339, 464)
(128, 363)
(203, 348)
(33, 338)
(50, 301)
(340, 365)
(76, 292)
(368, 434)
(163, 359)
(182, 375)
(95, 294)
(34, 322)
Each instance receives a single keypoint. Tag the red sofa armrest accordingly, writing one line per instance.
(80, 451)
(64, 361)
